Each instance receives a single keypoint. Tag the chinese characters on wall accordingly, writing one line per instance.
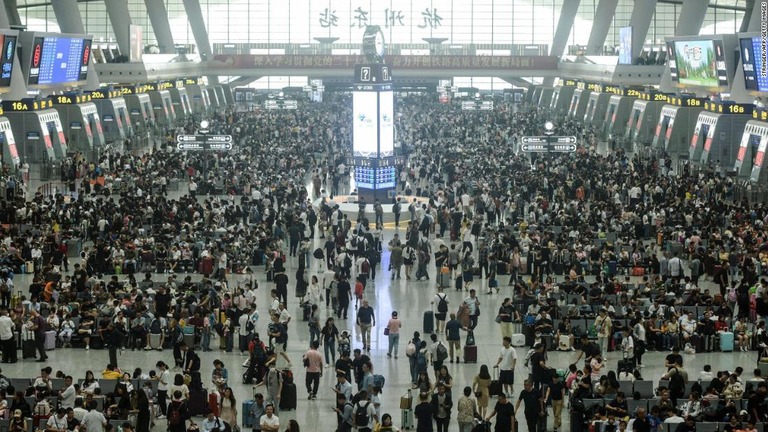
(428, 18)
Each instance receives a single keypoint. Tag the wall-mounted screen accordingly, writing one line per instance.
(365, 124)
(755, 77)
(58, 60)
(8, 43)
(625, 45)
(696, 63)
(672, 61)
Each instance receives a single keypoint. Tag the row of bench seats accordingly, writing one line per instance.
(106, 385)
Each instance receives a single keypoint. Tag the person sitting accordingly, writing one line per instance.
(618, 406)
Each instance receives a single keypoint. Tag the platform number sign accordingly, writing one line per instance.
(385, 74)
(365, 73)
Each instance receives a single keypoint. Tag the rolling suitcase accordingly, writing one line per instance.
(564, 343)
(198, 402)
(470, 353)
(444, 280)
(288, 397)
(486, 426)
(726, 341)
(429, 322)
(28, 349)
(495, 388)
(247, 419)
(189, 340)
(459, 283)
(50, 340)
(406, 419)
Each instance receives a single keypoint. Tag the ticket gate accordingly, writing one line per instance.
(546, 96)
(712, 141)
(11, 158)
(84, 131)
(219, 90)
(229, 97)
(213, 98)
(642, 122)
(162, 104)
(579, 103)
(41, 135)
(598, 104)
(180, 100)
(536, 95)
(616, 117)
(750, 159)
(141, 112)
(199, 97)
(116, 122)
(561, 100)
(674, 130)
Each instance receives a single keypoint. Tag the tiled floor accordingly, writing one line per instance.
(410, 299)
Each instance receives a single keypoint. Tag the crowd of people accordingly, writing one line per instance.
(562, 243)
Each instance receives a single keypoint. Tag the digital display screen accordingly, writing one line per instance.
(364, 177)
(6, 63)
(386, 125)
(696, 63)
(365, 125)
(672, 61)
(385, 177)
(752, 64)
(625, 46)
(59, 60)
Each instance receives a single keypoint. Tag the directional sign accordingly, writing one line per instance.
(204, 142)
(548, 144)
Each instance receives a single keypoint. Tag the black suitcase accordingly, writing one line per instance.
(198, 402)
(288, 397)
(197, 382)
(459, 283)
(306, 311)
(28, 349)
(429, 322)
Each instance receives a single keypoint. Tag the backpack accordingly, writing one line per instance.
(347, 261)
(344, 348)
(174, 415)
(318, 253)
(249, 325)
(410, 349)
(155, 327)
(442, 305)
(361, 415)
(677, 383)
(441, 351)
(365, 267)
(396, 208)
(378, 381)
(353, 242)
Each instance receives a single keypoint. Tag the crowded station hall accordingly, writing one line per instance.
(306, 215)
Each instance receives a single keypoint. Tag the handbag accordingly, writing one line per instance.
(386, 331)
(498, 319)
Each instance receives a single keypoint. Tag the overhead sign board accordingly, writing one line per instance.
(548, 144)
(204, 142)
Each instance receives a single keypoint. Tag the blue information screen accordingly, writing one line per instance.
(59, 60)
(752, 64)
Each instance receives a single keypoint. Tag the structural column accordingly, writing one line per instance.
(691, 18)
(563, 31)
(70, 21)
(158, 16)
(195, 17)
(604, 14)
(640, 21)
(121, 23)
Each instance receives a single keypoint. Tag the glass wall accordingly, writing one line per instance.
(403, 21)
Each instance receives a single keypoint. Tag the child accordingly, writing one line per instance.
(344, 343)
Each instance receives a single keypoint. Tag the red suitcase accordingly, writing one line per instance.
(213, 403)
(470, 353)
(206, 266)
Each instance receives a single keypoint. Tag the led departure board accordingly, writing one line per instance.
(59, 60)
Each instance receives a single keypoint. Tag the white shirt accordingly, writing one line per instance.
(508, 358)
(165, 379)
(54, 422)
(6, 327)
(94, 421)
(68, 397)
(269, 421)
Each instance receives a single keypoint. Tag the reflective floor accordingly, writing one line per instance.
(410, 299)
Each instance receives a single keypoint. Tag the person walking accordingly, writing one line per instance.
(366, 319)
(7, 341)
(393, 330)
(506, 364)
(329, 337)
(453, 337)
(441, 302)
(504, 413)
(313, 361)
(465, 411)
(39, 325)
(441, 408)
(473, 305)
(556, 393)
(534, 409)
